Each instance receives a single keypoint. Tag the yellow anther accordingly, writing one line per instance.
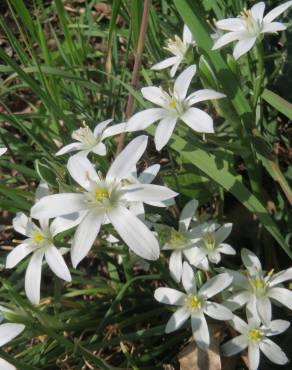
(270, 273)
(258, 284)
(193, 302)
(173, 104)
(255, 335)
(37, 237)
(101, 194)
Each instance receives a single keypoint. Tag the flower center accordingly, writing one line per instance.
(193, 302)
(176, 47)
(38, 237)
(176, 106)
(85, 136)
(253, 25)
(255, 335)
(177, 240)
(101, 194)
(210, 240)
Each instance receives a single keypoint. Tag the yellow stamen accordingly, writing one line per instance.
(173, 104)
(255, 335)
(194, 303)
(101, 194)
(258, 284)
(37, 237)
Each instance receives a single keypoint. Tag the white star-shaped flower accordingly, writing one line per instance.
(173, 107)
(195, 304)
(39, 242)
(256, 289)
(255, 337)
(249, 26)
(181, 242)
(106, 200)
(208, 244)
(179, 48)
(8, 331)
(88, 141)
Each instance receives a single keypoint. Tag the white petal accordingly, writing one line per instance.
(175, 67)
(200, 331)
(187, 214)
(250, 261)
(114, 130)
(58, 205)
(264, 308)
(85, 236)
(175, 265)
(218, 311)
(187, 35)
(243, 46)
(154, 94)
(273, 352)
(165, 63)
(169, 296)
(42, 190)
(6, 365)
(22, 224)
(3, 150)
(277, 327)
(235, 345)
(226, 39)
(143, 119)
(281, 276)
(67, 222)
(177, 319)
(9, 331)
(195, 255)
(282, 295)
(274, 13)
(188, 279)
(273, 27)
(202, 95)
(257, 11)
(99, 149)
(230, 24)
(57, 263)
(82, 171)
(239, 279)
(134, 233)
(137, 208)
(18, 254)
(33, 277)
(183, 81)
(223, 232)
(216, 285)
(148, 175)
(237, 300)
(214, 257)
(253, 357)
(100, 127)
(148, 193)
(239, 325)
(164, 131)
(226, 249)
(127, 159)
(198, 120)
(70, 148)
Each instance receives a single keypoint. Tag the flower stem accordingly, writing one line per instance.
(258, 86)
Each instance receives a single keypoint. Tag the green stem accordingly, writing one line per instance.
(258, 85)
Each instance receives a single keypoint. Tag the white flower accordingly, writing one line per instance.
(88, 141)
(208, 244)
(105, 200)
(250, 25)
(174, 107)
(7, 333)
(181, 242)
(256, 337)
(40, 243)
(195, 304)
(255, 288)
(179, 48)
(2, 151)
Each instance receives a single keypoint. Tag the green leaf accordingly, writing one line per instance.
(282, 105)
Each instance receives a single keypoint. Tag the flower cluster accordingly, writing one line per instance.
(115, 198)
